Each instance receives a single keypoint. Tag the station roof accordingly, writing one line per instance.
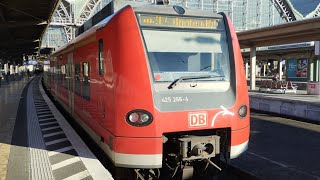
(22, 24)
(292, 32)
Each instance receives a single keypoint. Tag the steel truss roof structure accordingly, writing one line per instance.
(315, 13)
(64, 22)
(245, 14)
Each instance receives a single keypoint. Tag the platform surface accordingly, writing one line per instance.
(300, 105)
(37, 142)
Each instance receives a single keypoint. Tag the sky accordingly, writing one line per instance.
(305, 6)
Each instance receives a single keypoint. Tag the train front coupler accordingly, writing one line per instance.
(190, 153)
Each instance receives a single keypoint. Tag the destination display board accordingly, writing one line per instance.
(152, 20)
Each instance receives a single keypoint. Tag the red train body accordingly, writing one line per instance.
(148, 83)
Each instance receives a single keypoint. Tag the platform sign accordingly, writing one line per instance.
(313, 88)
(297, 68)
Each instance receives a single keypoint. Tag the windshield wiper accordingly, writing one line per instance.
(175, 82)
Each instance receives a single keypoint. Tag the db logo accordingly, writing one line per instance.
(197, 119)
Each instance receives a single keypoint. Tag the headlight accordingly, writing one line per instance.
(134, 117)
(139, 117)
(243, 110)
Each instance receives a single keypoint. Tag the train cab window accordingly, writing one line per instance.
(86, 80)
(77, 79)
(174, 52)
(101, 58)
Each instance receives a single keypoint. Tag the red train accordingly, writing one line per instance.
(158, 88)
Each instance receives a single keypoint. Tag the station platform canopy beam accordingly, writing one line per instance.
(291, 32)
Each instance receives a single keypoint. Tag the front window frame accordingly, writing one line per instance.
(226, 58)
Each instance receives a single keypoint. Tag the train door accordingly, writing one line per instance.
(55, 78)
(101, 101)
(71, 83)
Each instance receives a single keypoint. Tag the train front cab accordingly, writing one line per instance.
(174, 90)
(191, 103)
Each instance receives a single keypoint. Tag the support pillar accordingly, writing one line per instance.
(11, 76)
(311, 69)
(247, 69)
(318, 70)
(280, 69)
(253, 68)
(11, 69)
(17, 70)
(6, 68)
(317, 60)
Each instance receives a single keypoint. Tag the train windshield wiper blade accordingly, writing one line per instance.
(175, 82)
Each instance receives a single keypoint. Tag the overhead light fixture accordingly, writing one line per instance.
(37, 40)
(42, 23)
(36, 48)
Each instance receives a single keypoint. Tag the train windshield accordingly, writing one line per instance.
(175, 53)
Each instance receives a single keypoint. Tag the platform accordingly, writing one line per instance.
(37, 142)
(299, 105)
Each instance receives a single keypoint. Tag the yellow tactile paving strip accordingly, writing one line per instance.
(4, 156)
(9, 103)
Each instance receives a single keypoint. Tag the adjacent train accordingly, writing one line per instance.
(158, 88)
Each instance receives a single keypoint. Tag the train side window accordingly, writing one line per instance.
(66, 77)
(86, 80)
(59, 74)
(77, 79)
(56, 73)
(63, 75)
(101, 58)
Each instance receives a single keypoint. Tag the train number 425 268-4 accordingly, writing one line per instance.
(174, 99)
